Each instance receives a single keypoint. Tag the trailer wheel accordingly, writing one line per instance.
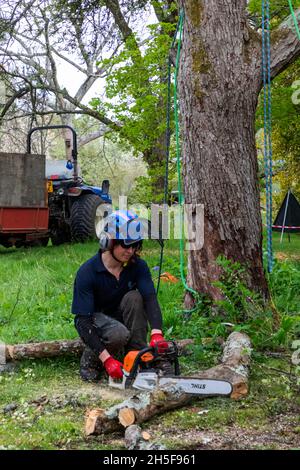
(86, 218)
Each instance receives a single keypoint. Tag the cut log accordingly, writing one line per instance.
(92, 419)
(233, 368)
(74, 347)
(136, 439)
(126, 417)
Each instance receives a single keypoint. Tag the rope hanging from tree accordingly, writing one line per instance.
(267, 97)
(294, 18)
(179, 29)
(168, 139)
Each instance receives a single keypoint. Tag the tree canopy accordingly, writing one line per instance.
(124, 46)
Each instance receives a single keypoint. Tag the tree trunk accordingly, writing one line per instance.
(67, 120)
(219, 83)
(155, 157)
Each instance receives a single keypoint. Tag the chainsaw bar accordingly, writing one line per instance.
(189, 385)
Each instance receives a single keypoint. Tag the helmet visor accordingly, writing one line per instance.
(130, 243)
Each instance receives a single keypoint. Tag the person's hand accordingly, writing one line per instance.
(158, 340)
(113, 368)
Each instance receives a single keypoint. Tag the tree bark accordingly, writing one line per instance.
(285, 45)
(75, 347)
(219, 84)
(234, 368)
(155, 159)
(18, 352)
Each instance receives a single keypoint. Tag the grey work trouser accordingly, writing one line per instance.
(129, 335)
(118, 338)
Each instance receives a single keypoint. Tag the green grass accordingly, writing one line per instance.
(51, 401)
(37, 287)
(287, 248)
(35, 303)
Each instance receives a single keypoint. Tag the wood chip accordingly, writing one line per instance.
(146, 436)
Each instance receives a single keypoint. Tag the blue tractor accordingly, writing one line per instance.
(76, 210)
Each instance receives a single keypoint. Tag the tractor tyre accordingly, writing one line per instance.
(86, 219)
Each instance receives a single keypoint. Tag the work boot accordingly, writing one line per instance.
(90, 366)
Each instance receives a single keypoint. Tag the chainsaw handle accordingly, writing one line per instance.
(136, 363)
(154, 351)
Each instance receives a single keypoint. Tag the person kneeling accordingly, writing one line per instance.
(114, 300)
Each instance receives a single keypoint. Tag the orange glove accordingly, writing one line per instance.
(113, 368)
(157, 340)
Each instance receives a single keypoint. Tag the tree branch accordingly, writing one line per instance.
(46, 113)
(52, 67)
(63, 93)
(86, 139)
(114, 7)
(285, 46)
(14, 20)
(52, 48)
(92, 78)
(18, 94)
(25, 58)
(67, 59)
(84, 53)
(99, 116)
(85, 87)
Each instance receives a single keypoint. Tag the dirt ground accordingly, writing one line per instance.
(281, 433)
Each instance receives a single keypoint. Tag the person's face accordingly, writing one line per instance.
(124, 253)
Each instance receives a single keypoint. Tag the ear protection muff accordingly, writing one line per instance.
(105, 241)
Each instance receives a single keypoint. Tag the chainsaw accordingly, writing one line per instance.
(146, 369)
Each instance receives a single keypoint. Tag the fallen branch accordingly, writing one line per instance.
(73, 347)
(139, 408)
(45, 349)
(234, 365)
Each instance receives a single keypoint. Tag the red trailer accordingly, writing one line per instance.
(34, 208)
(24, 212)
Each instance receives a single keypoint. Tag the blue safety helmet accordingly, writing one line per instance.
(122, 226)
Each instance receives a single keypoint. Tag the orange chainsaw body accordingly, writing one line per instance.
(130, 358)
